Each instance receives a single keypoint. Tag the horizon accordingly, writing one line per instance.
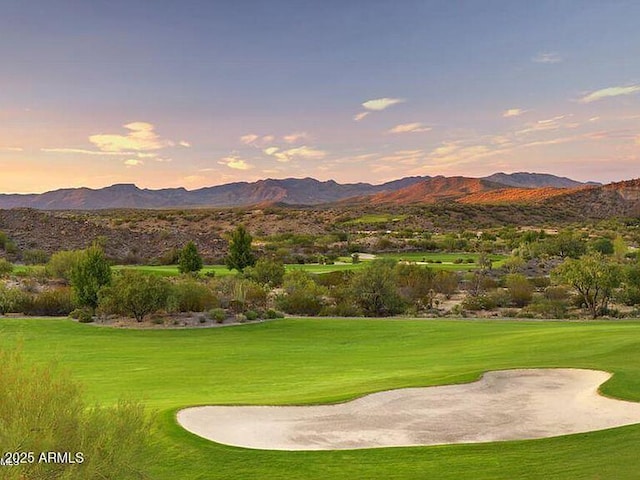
(196, 95)
(293, 178)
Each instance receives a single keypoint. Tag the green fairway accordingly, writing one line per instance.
(329, 360)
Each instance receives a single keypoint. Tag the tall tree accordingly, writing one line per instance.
(189, 260)
(89, 275)
(240, 252)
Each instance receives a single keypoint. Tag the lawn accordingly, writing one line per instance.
(329, 360)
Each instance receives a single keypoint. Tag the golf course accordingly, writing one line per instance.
(323, 361)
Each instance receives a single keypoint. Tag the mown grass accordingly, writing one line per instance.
(328, 360)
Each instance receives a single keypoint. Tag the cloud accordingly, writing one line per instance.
(547, 57)
(83, 151)
(235, 162)
(303, 152)
(513, 112)
(379, 104)
(141, 137)
(359, 116)
(11, 149)
(184, 143)
(609, 92)
(132, 162)
(410, 128)
(249, 138)
(554, 123)
(296, 137)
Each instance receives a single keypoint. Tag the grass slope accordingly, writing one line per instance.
(313, 361)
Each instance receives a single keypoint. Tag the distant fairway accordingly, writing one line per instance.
(437, 261)
(297, 361)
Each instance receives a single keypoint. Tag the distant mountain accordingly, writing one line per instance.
(289, 191)
(535, 180)
(432, 190)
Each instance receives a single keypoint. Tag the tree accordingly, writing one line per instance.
(374, 289)
(89, 275)
(240, 252)
(43, 410)
(189, 260)
(136, 294)
(566, 244)
(593, 277)
(62, 263)
(415, 284)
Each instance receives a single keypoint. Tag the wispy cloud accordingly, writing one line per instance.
(303, 152)
(359, 116)
(141, 137)
(410, 128)
(377, 105)
(235, 163)
(296, 137)
(609, 92)
(83, 151)
(11, 149)
(513, 112)
(132, 162)
(184, 143)
(249, 138)
(553, 123)
(257, 140)
(547, 57)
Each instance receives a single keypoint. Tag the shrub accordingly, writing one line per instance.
(191, 296)
(13, 300)
(272, 314)
(62, 263)
(251, 315)
(89, 275)
(302, 295)
(43, 409)
(51, 303)
(218, 314)
(6, 267)
(547, 308)
(519, 288)
(135, 294)
(374, 289)
(189, 260)
(266, 272)
(35, 257)
(83, 315)
(478, 302)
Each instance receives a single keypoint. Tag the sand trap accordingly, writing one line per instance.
(503, 405)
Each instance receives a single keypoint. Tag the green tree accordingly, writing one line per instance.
(415, 284)
(135, 294)
(43, 410)
(89, 275)
(375, 290)
(602, 245)
(593, 277)
(566, 244)
(189, 260)
(240, 252)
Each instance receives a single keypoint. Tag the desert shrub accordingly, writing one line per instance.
(499, 297)
(602, 245)
(59, 301)
(445, 283)
(415, 284)
(548, 308)
(266, 272)
(91, 273)
(272, 314)
(374, 289)
(251, 315)
(540, 282)
(62, 263)
(6, 267)
(218, 314)
(189, 260)
(240, 294)
(519, 288)
(191, 296)
(135, 294)
(301, 294)
(478, 302)
(13, 300)
(43, 410)
(629, 295)
(35, 257)
(83, 315)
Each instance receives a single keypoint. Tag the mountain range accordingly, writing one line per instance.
(496, 188)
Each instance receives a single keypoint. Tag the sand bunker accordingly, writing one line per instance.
(503, 405)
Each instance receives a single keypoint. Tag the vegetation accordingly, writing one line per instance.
(330, 360)
(189, 260)
(89, 275)
(44, 410)
(135, 294)
(240, 252)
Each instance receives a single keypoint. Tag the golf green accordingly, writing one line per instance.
(296, 361)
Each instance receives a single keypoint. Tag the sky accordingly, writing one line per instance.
(197, 93)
